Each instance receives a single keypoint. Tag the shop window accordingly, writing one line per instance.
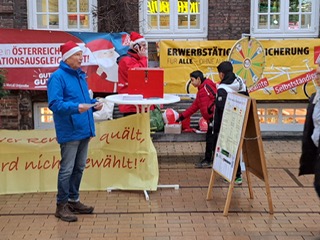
(293, 115)
(161, 19)
(66, 15)
(285, 18)
(43, 118)
(282, 117)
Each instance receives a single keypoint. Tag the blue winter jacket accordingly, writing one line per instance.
(67, 88)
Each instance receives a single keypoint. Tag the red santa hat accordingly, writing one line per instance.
(136, 38)
(68, 49)
(99, 45)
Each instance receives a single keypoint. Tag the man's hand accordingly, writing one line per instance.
(84, 107)
(180, 118)
(98, 106)
(142, 52)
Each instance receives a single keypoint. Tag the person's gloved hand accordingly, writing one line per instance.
(180, 118)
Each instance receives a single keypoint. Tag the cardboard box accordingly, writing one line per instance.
(146, 81)
(172, 128)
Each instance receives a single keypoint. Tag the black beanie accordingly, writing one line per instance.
(225, 67)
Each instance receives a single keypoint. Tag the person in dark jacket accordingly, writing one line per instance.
(135, 57)
(230, 83)
(310, 155)
(205, 102)
(72, 107)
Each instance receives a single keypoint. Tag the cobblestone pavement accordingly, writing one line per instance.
(183, 213)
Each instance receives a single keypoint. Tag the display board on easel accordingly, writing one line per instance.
(239, 133)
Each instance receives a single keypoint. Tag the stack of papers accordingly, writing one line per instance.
(133, 97)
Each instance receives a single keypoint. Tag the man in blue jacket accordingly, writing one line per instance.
(72, 107)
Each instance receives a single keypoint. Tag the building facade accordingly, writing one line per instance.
(157, 20)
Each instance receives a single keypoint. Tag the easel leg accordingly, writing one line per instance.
(231, 186)
(269, 199)
(266, 181)
(229, 195)
(209, 192)
(249, 184)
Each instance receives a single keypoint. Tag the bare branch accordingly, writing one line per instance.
(117, 15)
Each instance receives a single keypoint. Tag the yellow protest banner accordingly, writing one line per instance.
(180, 58)
(121, 156)
(287, 75)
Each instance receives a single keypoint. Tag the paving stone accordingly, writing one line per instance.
(184, 213)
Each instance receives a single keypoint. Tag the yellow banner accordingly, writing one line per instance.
(121, 156)
(287, 75)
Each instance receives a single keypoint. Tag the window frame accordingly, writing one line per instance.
(63, 17)
(174, 32)
(37, 116)
(280, 126)
(283, 31)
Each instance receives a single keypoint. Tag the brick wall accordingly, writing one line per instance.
(15, 109)
(9, 112)
(25, 111)
(227, 20)
(13, 14)
(6, 14)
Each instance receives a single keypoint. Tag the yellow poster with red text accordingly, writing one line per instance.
(121, 156)
(287, 75)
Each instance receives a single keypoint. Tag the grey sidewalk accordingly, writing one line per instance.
(184, 213)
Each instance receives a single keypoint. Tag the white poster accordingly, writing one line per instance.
(230, 134)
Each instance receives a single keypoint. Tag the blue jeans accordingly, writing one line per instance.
(73, 161)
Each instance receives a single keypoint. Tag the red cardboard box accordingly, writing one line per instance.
(146, 81)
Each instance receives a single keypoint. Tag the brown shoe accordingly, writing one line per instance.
(63, 212)
(78, 207)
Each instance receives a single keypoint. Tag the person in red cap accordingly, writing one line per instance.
(135, 57)
(106, 57)
(72, 107)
